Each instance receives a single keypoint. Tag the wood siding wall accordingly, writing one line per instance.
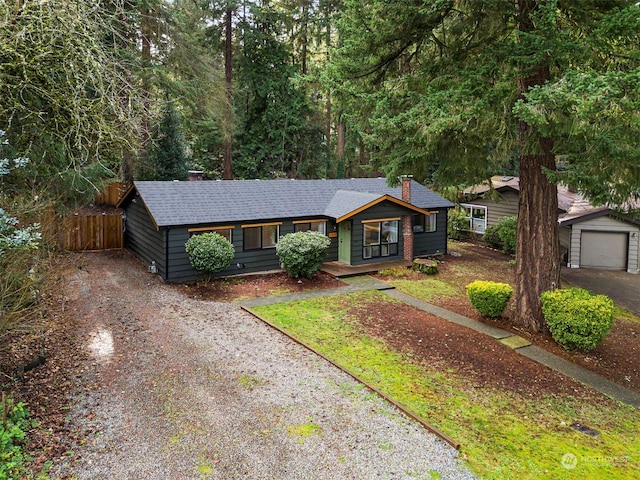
(244, 262)
(385, 209)
(432, 243)
(496, 210)
(565, 243)
(142, 238)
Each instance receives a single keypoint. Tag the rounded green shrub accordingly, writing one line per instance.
(209, 253)
(457, 222)
(577, 319)
(506, 229)
(491, 237)
(489, 298)
(301, 254)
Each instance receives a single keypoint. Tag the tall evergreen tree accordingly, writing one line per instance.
(168, 155)
(277, 135)
(448, 90)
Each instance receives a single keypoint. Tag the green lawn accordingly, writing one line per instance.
(503, 435)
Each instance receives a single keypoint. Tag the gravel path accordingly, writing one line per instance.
(187, 389)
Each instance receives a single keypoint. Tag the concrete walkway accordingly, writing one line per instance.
(517, 343)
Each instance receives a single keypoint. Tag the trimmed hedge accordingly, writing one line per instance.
(577, 319)
(209, 253)
(489, 298)
(302, 253)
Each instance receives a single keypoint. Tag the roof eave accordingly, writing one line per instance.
(380, 200)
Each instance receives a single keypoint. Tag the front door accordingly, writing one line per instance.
(344, 242)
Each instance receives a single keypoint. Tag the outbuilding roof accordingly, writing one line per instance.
(203, 202)
(573, 207)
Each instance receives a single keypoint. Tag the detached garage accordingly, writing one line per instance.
(601, 239)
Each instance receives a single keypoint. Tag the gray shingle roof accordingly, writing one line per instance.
(346, 201)
(205, 202)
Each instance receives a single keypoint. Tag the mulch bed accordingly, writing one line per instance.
(617, 358)
(440, 344)
(253, 286)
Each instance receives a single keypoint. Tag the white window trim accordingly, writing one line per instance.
(480, 224)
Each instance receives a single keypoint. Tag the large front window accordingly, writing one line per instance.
(477, 217)
(380, 238)
(260, 236)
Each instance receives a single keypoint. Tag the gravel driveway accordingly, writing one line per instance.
(180, 388)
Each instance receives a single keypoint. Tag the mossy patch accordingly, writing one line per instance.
(304, 430)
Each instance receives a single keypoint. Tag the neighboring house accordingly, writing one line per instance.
(484, 210)
(366, 220)
(590, 236)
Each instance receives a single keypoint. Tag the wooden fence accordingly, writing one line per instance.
(112, 194)
(91, 232)
(97, 229)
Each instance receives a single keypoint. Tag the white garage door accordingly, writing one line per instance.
(604, 250)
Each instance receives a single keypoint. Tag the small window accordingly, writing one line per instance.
(226, 232)
(320, 227)
(424, 223)
(261, 236)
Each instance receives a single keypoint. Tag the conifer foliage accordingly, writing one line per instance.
(452, 91)
(168, 155)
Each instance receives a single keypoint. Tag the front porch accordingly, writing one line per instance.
(341, 269)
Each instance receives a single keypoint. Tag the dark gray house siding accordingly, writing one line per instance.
(160, 217)
(141, 236)
(384, 210)
(178, 268)
(432, 243)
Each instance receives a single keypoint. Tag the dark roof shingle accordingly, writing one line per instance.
(202, 202)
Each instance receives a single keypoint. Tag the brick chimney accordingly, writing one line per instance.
(407, 228)
(196, 175)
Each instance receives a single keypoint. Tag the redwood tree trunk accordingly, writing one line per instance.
(537, 247)
(145, 52)
(537, 250)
